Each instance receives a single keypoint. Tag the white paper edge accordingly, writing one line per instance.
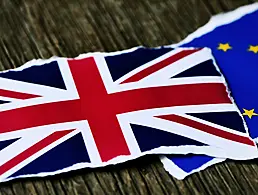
(212, 151)
(219, 20)
(180, 174)
(208, 150)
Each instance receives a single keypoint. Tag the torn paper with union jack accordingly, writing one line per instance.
(106, 108)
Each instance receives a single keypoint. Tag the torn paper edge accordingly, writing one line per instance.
(180, 174)
(209, 150)
(114, 161)
(219, 20)
(174, 169)
(215, 21)
(232, 154)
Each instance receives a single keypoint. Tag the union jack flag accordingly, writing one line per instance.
(106, 108)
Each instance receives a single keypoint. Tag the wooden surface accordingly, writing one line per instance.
(40, 29)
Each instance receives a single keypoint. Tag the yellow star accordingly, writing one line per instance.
(224, 47)
(249, 113)
(253, 48)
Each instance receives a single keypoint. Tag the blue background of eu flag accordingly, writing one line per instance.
(238, 65)
(240, 68)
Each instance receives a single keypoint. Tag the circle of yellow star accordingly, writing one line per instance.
(225, 47)
(249, 113)
(253, 48)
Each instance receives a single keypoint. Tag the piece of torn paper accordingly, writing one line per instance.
(64, 114)
(234, 42)
(180, 166)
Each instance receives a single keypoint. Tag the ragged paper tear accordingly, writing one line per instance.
(233, 43)
(98, 109)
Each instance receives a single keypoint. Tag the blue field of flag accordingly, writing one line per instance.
(234, 43)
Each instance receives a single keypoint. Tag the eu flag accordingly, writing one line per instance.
(233, 38)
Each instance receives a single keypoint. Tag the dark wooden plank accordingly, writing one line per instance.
(40, 29)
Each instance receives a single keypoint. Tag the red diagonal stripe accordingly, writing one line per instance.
(208, 129)
(33, 150)
(16, 95)
(145, 72)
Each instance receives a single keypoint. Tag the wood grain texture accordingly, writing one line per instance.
(40, 29)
